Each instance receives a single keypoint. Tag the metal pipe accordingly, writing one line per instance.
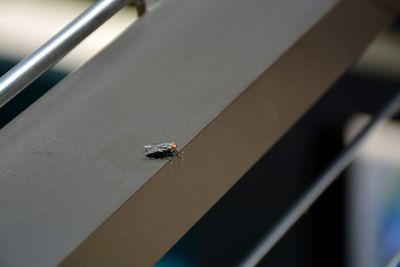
(394, 261)
(322, 183)
(27, 70)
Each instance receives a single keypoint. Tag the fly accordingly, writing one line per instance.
(160, 151)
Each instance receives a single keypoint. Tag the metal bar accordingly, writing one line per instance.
(321, 184)
(26, 71)
(394, 261)
(99, 203)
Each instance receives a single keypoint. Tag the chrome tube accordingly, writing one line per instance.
(26, 71)
(322, 183)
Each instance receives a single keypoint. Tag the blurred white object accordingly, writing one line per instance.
(374, 197)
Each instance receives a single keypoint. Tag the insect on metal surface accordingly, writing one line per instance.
(163, 150)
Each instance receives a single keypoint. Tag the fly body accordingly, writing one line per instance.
(160, 151)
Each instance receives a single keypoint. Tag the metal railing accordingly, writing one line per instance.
(30, 68)
(322, 183)
(25, 72)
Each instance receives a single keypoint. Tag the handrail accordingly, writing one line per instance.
(328, 176)
(31, 67)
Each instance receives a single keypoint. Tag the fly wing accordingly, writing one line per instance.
(148, 149)
(163, 147)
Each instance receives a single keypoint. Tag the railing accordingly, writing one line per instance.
(30, 68)
(321, 185)
(51, 52)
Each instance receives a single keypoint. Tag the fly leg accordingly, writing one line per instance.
(176, 153)
(167, 155)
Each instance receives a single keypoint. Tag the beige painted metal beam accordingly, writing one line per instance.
(224, 81)
(154, 218)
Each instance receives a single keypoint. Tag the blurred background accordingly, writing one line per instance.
(355, 223)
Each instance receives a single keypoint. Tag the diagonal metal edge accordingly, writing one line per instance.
(162, 210)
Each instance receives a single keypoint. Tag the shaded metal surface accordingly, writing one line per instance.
(26, 71)
(76, 155)
(72, 159)
(322, 183)
(162, 210)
